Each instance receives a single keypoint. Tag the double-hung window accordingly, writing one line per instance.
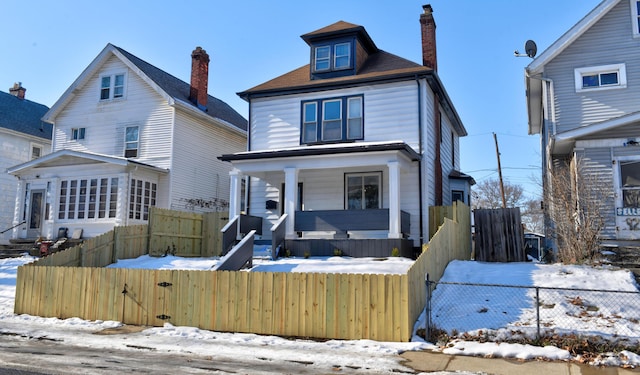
(354, 118)
(131, 142)
(342, 56)
(310, 122)
(323, 58)
(635, 17)
(602, 77)
(363, 190)
(332, 120)
(332, 57)
(112, 87)
(77, 133)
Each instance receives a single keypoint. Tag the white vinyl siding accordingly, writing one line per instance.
(197, 174)
(607, 42)
(16, 148)
(105, 122)
(605, 77)
(390, 113)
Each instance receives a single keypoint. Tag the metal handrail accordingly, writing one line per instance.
(8, 229)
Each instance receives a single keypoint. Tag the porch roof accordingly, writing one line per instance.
(330, 149)
(68, 157)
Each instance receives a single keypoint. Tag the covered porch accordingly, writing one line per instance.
(357, 199)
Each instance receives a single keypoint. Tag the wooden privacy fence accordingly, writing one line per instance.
(380, 307)
(499, 235)
(119, 243)
(185, 234)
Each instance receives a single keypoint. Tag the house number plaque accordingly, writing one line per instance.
(628, 211)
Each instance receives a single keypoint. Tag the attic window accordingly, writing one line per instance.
(600, 77)
(112, 87)
(332, 57)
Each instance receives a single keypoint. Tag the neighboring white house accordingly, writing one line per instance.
(128, 136)
(582, 98)
(356, 145)
(24, 136)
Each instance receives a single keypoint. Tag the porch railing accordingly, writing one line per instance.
(348, 220)
(278, 231)
(230, 231)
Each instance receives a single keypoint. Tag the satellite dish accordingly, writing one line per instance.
(530, 48)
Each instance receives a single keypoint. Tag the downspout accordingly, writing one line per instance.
(420, 141)
(551, 102)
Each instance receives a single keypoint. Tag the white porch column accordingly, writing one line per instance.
(18, 210)
(235, 192)
(290, 199)
(394, 199)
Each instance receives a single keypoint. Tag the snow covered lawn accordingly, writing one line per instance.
(80, 332)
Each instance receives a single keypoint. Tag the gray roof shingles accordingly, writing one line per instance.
(23, 116)
(179, 89)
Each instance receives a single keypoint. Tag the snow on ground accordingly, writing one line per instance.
(380, 356)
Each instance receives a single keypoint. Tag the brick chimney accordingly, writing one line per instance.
(428, 28)
(18, 90)
(199, 77)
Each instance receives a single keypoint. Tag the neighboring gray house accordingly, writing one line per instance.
(128, 136)
(23, 136)
(349, 151)
(583, 99)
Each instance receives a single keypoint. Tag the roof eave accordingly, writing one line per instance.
(188, 107)
(537, 65)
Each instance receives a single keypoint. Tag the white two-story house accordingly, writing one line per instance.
(23, 136)
(128, 136)
(347, 153)
(583, 99)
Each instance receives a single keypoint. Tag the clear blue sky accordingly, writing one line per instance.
(47, 44)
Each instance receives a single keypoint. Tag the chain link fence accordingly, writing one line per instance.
(531, 312)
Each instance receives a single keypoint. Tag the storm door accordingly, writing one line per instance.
(36, 213)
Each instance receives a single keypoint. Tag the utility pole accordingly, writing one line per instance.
(504, 201)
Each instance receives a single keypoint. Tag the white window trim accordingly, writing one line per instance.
(634, 18)
(315, 59)
(590, 70)
(336, 56)
(112, 86)
(78, 134)
(127, 142)
(33, 146)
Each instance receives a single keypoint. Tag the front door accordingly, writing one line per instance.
(36, 213)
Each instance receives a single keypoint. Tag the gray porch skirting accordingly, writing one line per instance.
(357, 248)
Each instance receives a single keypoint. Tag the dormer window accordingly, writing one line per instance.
(323, 58)
(342, 56)
(332, 57)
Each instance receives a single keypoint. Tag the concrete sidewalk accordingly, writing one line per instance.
(428, 361)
